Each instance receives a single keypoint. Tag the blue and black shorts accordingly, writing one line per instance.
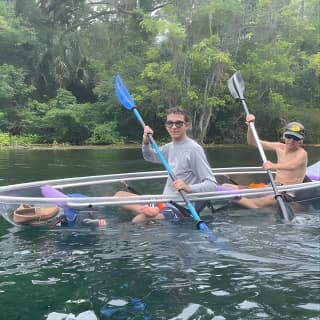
(170, 211)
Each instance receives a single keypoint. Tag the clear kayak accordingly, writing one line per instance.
(77, 201)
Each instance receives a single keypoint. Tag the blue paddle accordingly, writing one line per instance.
(126, 100)
(236, 88)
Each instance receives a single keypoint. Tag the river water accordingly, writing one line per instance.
(158, 270)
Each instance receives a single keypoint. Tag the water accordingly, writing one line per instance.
(159, 270)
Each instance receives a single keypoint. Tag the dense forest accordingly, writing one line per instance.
(59, 59)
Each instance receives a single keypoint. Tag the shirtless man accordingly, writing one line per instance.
(291, 162)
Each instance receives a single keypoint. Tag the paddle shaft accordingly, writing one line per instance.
(167, 167)
(127, 101)
(278, 195)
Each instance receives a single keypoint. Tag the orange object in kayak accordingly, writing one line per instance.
(257, 185)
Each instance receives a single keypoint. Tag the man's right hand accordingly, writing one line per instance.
(147, 130)
(250, 118)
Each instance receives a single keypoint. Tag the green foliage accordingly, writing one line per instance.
(63, 126)
(26, 140)
(314, 63)
(6, 140)
(14, 95)
(277, 104)
(162, 89)
(152, 26)
(105, 134)
(13, 88)
(58, 60)
(271, 64)
(63, 100)
(16, 35)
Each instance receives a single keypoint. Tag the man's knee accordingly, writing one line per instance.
(122, 194)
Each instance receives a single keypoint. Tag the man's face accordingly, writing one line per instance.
(176, 126)
(291, 141)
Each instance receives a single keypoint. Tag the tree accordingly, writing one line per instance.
(207, 79)
(167, 52)
(14, 96)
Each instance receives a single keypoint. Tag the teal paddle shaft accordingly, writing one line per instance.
(167, 167)
(127, 101)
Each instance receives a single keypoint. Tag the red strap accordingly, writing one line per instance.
(161, 205)
(102, 222)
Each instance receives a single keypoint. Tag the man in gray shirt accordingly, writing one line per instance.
(186, 159)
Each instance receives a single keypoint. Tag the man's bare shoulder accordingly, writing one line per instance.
(302, 152)
(268, 145)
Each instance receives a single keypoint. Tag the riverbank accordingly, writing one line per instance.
(68, 147)
(111, 146)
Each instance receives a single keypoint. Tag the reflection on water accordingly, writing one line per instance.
(159, 270)
(169, 270)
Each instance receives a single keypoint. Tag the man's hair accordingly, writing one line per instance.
(179, 110)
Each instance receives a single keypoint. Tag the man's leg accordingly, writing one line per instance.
(257, 202)
(129, 207)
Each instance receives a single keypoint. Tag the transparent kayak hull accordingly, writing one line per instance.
(85, 196)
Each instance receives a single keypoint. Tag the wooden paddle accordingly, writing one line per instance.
(236, 88)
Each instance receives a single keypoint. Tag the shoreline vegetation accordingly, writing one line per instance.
(110, 146)
(57, 83)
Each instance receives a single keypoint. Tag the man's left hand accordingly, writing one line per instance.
(180, 185)
(268, 165)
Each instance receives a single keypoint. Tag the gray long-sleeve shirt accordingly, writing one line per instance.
(188, 162)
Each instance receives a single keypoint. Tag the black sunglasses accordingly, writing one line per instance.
(290, 136)
(178, 124)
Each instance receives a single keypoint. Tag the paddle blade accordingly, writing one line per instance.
(236, 85)
(203, 227)
(123, 94)
(212, 238)
(51, 192)
(285, 212)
